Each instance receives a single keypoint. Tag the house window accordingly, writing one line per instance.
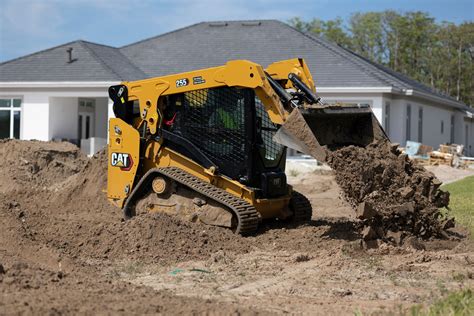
(420, 125)
(408, 123)
(387, 117)
(451, 140)
(10, 117)
(442, 127)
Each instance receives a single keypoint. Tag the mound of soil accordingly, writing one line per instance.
(68, 208)
(36, 164)
(62, 243)
(54, 212)
(392, 195)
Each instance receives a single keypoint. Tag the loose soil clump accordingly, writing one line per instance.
(393, 196)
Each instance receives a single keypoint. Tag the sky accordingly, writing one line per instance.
(27, 26)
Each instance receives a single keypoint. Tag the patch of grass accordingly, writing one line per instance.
(461, 202)
(441, 287)
(460, 303)
(459, 277)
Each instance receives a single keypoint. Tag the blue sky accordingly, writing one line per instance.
(27, 26)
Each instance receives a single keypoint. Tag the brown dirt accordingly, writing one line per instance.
(37, 164)
(393, 196)
(66, 250)
(58, 232)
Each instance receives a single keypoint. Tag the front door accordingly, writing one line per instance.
(85, 125)
(86, 118)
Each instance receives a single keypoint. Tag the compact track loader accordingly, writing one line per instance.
(210, 145)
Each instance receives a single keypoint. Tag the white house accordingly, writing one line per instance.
(61, 92)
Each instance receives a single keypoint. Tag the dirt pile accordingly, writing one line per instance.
(85, 191)
(37, 164)
(393, 196)
(157, 238)
(62, 244)
(59, 232)
(74, 215)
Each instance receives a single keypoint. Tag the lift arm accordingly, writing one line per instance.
(241, 73)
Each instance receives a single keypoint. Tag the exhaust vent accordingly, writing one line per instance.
(70, 59)
(251, 23)
(214, 24)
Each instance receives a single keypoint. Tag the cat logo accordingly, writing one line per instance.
(121, 160)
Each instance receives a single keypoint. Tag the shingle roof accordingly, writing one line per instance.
(214, 43)
(208, 44)
(94, 62)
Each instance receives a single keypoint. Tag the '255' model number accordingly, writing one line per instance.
(182, 82)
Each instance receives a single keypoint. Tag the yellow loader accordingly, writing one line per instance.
(210, 145)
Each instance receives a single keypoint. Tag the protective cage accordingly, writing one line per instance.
(226, 124)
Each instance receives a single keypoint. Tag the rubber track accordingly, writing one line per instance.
(247, 215)
(301, 207)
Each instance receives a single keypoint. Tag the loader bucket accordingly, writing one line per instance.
(313, 131)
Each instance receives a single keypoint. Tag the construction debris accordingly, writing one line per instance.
(440, 158)
(449, 155)
(390, 193)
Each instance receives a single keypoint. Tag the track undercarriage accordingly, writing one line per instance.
(177, 193)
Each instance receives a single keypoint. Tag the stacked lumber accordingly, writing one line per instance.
(440, 158)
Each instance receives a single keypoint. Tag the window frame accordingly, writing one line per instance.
(12, 109)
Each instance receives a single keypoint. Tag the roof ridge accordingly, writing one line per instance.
(130, 62)
(160, 35)
(39, 52)
(237, 21)
(86, 46)
(192, 25)
(98, 44)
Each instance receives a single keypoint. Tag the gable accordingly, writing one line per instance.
(91, 62)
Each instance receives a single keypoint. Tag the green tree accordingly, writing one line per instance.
(367, 35)
(440, 55)
(332, 30)
(298, 24)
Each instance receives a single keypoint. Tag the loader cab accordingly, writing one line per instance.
(230, 127)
